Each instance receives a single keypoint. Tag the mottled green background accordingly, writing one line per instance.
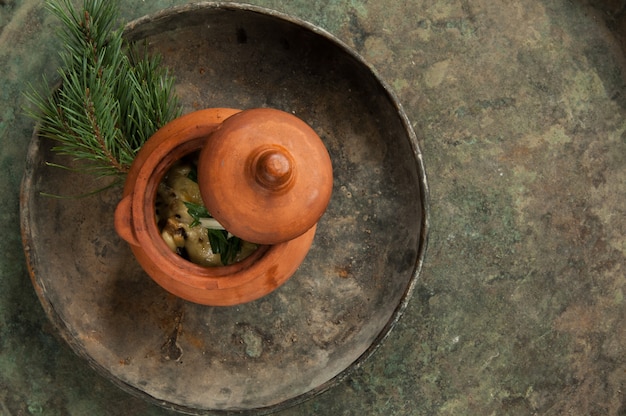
(519, 107)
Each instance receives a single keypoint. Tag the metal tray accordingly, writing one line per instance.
(344, 299)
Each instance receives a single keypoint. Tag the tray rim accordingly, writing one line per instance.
(422, 241)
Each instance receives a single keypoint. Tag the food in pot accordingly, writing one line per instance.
(186, 226)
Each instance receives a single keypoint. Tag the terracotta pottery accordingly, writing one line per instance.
(269, 175)
(265, 175)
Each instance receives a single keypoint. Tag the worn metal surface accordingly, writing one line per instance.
(346, 296)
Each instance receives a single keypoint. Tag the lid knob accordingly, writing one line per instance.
(265, 175)
(272, 167)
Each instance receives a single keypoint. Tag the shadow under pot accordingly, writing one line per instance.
(263, 174)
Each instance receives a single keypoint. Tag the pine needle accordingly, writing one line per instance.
(113, 94)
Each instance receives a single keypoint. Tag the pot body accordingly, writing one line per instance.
(135, 221)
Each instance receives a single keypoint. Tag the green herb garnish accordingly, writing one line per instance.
(225, 244)
(197, 212)
(193, 173)
(222, 242)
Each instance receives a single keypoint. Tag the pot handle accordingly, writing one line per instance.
(124, 221)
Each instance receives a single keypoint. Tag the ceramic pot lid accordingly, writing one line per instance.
(265, 175)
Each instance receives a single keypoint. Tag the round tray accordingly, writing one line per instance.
(346, 296)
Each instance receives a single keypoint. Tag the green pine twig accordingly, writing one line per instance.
(113, 94)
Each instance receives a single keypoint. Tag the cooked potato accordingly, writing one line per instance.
(180, 230)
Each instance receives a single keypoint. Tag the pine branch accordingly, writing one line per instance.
(113, 94)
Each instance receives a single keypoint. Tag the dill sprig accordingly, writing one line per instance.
(113, 94)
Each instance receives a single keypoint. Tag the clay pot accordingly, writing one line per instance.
(251, 173)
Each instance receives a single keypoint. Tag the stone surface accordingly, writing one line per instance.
(520, 308)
